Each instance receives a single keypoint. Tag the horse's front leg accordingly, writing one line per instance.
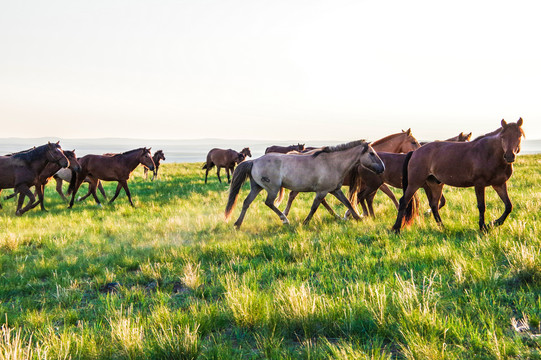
(126, 190)
(344, 200)
(23, 191)
(290, 198)
(480, 194)
(40, 189)
(317, 200)
(501, 190)
(118, 187)
(330, 209)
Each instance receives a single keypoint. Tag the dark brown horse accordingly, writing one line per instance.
(49, 171)
(157, 157)
(21, 170)
(401, 142)
(224, 159)
(110, 168)
(391, 176)
(66, 175)
(284, 149)
(486, 161)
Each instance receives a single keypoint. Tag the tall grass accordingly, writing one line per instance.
(171, 279)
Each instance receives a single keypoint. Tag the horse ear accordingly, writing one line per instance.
(504, 123)
(408, 132)
(519, 122)
(58, 142)
(469, 136)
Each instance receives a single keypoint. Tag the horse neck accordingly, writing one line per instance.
(391, 143)
(131, 160)
(345, 160)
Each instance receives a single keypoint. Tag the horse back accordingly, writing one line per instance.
(15, 171)
(108, 168)
(222, 157)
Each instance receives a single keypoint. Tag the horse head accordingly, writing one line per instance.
(246, 151)
(370, 159)
(56, 155)
(146, 158)
(300, 147)
(409, 142)
(510, 136)
(464, 137)
(72, 158)
(240, 158)
(160, 155)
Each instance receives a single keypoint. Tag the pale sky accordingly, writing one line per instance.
(253, 69)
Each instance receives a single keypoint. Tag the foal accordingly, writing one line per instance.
(157, 157)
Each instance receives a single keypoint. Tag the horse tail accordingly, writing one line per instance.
(412, 209)
(280, 196)
(73, 180)
(242, 171)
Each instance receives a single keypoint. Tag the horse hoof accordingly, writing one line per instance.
(18, 213)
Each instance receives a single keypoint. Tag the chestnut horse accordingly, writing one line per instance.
(401, 142)
(224, 159)
(157, 157)
(110, 168)
(50, 170)
(322, 172)
(486, 161)
(391, 176)
(284, 149)
(20, 171)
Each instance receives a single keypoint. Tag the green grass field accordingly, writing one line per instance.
(171, 279)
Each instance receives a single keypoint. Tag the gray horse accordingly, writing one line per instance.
(322, 173)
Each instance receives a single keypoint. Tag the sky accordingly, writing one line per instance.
(293, 69)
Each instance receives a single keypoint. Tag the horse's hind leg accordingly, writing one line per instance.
(23, 191)
(480, 194)
(218, 173)
(271, 196)
(434, 191)
(227, 172)
(385, 189)
(40, 189)
(317, 200)
(92, 190)
(501, 190)
(344, 200)
(330, 209)
(59, 188)
(254, 191)
(101, 189)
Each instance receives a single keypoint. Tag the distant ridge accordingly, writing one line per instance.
(179, 150)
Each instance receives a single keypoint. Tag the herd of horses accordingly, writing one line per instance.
(397, 160)
(35, 167)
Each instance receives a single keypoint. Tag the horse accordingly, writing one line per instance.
(157, 157)
(401, 142)
(322, 172)
(20, 170)
(66, 175)
(391, 176)
(110, 168)
(485, 161)
(224, 159)
(284, 149)
(49, 171)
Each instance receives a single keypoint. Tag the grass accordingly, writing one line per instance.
(170, 279)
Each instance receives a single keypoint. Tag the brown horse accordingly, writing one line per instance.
(21, 170)
(157, 157)
(224, 159)
(110, 168)
(486, 161)
(284, 149)
(391, 176)
(401, 142)
(322, 172)
(49, 171)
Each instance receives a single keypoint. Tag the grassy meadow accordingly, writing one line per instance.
(170, 279)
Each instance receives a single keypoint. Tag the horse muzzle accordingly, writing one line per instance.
(509, 158)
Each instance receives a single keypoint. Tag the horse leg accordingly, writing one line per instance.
(23, 191)
(127, 191)
(480, 194)
(292, 195)
(78, 182)
(271, 196)
(317, 200)
(370, 202)
(118, 187)
(92, 190)
(501, 190)
(218, 173)
(40, 190)
(1, 204)
(89, 192)
(330, 209)
(227, 172)
(101, 189)
(145, 173)
(59, 188)
(344, 200)
(442, 201)
(385, 189)
(402, 206)
(434, 191)
(254, 191)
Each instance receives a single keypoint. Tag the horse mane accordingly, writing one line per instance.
(385, 139)
(341, 147)
(492, 133)
(31, 154)
(129, 152)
